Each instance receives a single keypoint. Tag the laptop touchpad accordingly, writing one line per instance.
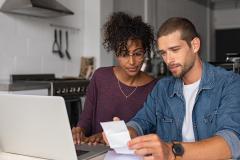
(81, 152)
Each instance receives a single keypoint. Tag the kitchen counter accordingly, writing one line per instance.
(20, 86)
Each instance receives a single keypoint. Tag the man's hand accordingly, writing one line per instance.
(78, 135)
(132, 132)
(151, 147)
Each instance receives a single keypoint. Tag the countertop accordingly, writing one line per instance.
(9, 156)
(19, 86)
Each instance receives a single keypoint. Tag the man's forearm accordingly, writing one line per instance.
(208, 149)
(137, 128)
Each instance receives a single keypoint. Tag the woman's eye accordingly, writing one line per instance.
(123, 53)
(139, 54)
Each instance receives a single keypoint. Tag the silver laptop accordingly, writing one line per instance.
(38, 126)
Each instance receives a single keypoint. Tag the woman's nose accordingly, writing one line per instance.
(131, 59)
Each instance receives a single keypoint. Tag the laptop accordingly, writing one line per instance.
(38, 126)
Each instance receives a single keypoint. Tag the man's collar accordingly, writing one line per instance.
(207, 81)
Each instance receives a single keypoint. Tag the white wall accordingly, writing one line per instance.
(91, 30)
(135, 7)
(96, 13)
(226, 18)
(26, 43)
(106, 58)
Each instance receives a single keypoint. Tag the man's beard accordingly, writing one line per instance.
(184, 69)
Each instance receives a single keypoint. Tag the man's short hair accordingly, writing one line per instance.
(185, 26)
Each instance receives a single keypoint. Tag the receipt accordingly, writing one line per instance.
(118, 136)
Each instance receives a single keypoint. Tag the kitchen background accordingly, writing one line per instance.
(28, 65)
(26, 42)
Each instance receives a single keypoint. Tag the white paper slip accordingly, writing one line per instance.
(117, 135)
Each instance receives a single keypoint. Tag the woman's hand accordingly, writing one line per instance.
(78, 135)
(94, 139)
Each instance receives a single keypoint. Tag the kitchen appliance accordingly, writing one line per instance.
(232, 62)
(36, 8)
(71, 89)
(235, 59)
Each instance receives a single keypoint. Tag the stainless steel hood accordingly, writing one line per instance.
(36, 8)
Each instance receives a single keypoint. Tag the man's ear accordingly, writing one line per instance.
(196, 44)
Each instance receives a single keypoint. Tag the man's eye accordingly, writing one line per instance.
(162, 53)
(159, 52)
(175, 50)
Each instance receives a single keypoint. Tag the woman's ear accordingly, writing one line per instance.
(196, 44)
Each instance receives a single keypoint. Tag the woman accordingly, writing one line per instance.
(117, 91)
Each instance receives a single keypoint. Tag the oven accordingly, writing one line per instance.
(72, 90)
(231, 63)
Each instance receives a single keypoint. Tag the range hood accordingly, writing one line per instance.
(36, 8)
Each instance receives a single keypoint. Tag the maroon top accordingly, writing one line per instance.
(104, 100)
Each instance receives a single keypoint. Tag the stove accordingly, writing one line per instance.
(71, 89)
(65, 87)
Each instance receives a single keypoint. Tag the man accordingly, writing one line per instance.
(196, 112)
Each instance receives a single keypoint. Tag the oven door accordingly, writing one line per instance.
(74, 108)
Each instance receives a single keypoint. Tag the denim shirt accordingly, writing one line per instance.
(216, 110)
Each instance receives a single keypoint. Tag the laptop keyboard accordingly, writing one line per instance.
(81, 152)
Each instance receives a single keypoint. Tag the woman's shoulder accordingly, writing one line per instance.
(103, 71)
(147, 79)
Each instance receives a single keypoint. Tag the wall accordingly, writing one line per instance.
(144, 8)
(226, 18)
(106, 58)
(91, 30)
(96, 13)
(26, 43)
(135, 7)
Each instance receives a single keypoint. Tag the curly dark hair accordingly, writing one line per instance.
(121, 27)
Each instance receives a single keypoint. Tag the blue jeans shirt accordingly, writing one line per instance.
(216, 110)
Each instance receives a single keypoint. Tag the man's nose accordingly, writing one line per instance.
(169, 58)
